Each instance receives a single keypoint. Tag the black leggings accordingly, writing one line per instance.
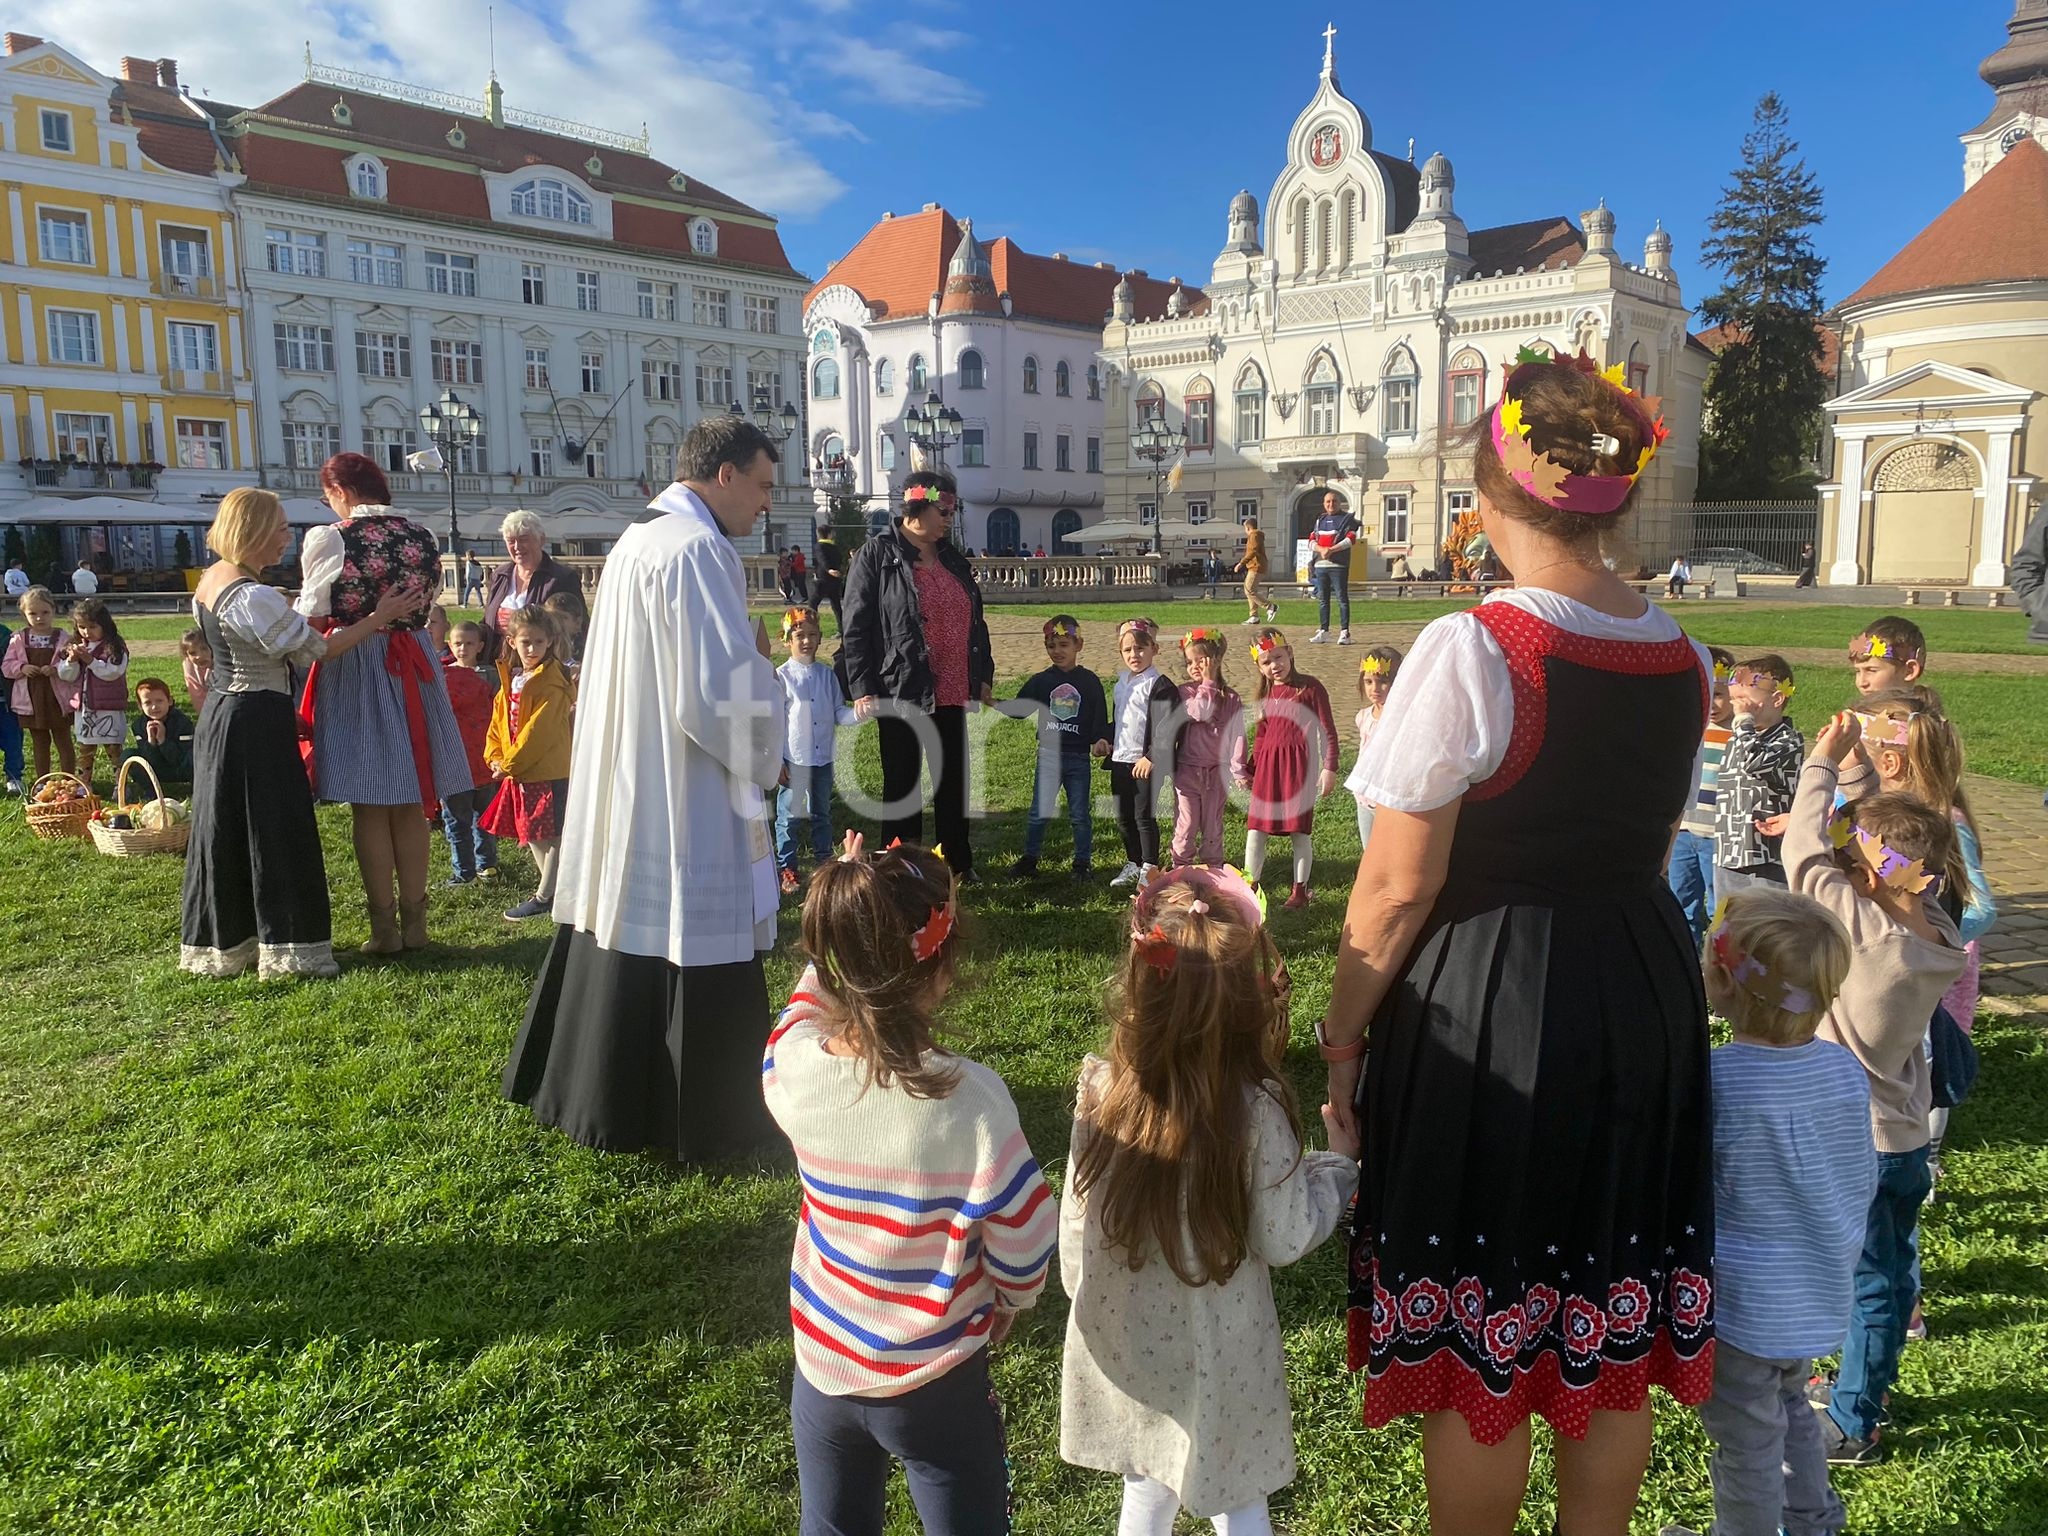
(901, 761)
(1135, 815)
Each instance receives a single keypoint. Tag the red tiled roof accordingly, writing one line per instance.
(1534, 245)
(901, 262)
(380, 122)
(1997, 232)
(1715, 337)
(171, 131)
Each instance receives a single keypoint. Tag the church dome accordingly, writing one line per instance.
(2024, 58)
(1244, 205)
(1438, 164)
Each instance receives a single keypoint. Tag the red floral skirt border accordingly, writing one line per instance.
(1446, 1382)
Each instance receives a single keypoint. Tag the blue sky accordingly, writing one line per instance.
(1120, 132)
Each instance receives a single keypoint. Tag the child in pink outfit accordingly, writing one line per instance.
(1210, 742)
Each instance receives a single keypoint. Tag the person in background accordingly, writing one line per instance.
(1399, 568)
(1212, 574)
(1253, 563)
(1377, 669)
(1890, 652)
(85, 581)
(472, 578)
(195, 662)
(527, 750)
(42, 708)
(1807, 562)
(1691, 870)
(569, 616)
(1681, 573)
(2029, 577)
(163, 733)
(1208, 751)
(1142, 703)
(894, 1313)
(530, 576)
(1331, 539)
(1293, 761)
(17, 580)
(831, 575)
(785, 564)
(799, 575)
(472, 852)
(10, 727)
(1759, 771)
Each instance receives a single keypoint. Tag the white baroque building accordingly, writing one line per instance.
(1349, 345)
(588, 300)
(920, 306)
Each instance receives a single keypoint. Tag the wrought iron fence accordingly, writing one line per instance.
(1756, 538)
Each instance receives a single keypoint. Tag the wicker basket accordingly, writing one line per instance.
(133, 842)
(62, 818)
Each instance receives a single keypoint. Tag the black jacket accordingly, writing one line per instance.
(2028, 574)
(883, 653)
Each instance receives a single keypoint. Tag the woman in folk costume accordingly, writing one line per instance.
(385, 741)
(1535, 1222)
(646, 1027)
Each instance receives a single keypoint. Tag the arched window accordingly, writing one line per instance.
(1094, 382)
(1066, 524)
(878, 520)
(1301, 234)
(1030, 375)
(885, 452)
(543, 197)
(970, 369)
(915, 378)
(824, 341)
(1324, 216)
(1251, 404)
(1398, 378)
(1465, 387)
(1004, 534)
(368, 180)
(1319, 399)
(1638, 369)
(704, 238)
(825, 379)
(1347, 218)
(833, 449)
(885, 377)
(1151, 402)
(1062, 379)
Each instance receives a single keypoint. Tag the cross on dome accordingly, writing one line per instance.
(1329, 47)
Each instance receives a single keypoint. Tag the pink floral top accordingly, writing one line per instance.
(948, 613)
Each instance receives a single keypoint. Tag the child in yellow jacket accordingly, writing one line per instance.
(527, 749)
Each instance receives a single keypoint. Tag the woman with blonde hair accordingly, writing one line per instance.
(255, 883)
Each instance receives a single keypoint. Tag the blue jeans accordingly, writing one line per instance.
(1333, 580)
(10, 741)
(808, 794)
(1074, 770)
(470, 847)
(1884, 1293)
(1692, 879)
(948, 1434)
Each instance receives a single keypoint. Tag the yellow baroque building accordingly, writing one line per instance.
(120, 305)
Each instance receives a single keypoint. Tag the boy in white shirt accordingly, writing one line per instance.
(816, 707)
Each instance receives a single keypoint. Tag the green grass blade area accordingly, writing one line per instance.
(278, 1257)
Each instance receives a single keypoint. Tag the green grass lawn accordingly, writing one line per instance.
(278, 1258)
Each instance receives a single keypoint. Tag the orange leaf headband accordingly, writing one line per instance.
(1887, 730)
(1908, 877)
(1201, 636)
(1264, 646)
(792, 617)
(927, 940)
(1062, 629)
(1751, 677)
(1555, 484)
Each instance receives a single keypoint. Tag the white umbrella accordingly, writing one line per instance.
(1114, 531)
(308, 512)
(92, 510)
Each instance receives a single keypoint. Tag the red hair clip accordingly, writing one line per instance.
(929, 939)
(1158, 951)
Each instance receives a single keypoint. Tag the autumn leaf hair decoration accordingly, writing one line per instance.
(1555, 484)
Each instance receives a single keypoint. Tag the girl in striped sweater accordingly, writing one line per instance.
(925, 1224)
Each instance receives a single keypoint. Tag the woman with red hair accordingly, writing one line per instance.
(385, 741)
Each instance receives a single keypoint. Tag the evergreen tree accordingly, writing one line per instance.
(1764, 393)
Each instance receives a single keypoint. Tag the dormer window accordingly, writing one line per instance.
(457, 139)
(56, 128)
(546, 198)
(340, 112)
(704, 237)
(366, 177)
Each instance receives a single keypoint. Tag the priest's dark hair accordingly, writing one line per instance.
(722, 438)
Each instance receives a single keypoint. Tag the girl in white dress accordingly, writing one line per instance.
(1187, 1182)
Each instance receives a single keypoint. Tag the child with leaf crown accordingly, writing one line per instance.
(1187, 1184)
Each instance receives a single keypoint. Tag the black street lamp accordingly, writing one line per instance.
(1158, 445)
(777, 426)
(451, 424)
(934, 427)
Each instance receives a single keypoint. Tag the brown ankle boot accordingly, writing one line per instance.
(384, 938)
(412, 918)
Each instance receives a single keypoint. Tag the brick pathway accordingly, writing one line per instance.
(2014, 826)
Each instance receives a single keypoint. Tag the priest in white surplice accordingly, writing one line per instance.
(646, 1028)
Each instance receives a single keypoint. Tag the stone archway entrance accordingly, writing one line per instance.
(1923, 513)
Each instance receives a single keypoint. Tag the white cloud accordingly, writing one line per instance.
(892, 76)
(687, 73)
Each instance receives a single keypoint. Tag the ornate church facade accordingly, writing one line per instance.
(1352, 342)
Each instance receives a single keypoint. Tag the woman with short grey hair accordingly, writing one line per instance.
(529, 578)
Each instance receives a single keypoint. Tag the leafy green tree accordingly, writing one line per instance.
(1765, 390)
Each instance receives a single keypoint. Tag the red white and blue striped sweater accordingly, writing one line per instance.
(919, 1216)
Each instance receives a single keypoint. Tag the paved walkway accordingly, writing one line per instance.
(2014, 827)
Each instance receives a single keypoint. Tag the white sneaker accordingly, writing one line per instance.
(1272, 613)
(1128, 875)
(1248, 623)
(1343, 637)
(1320, 637)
